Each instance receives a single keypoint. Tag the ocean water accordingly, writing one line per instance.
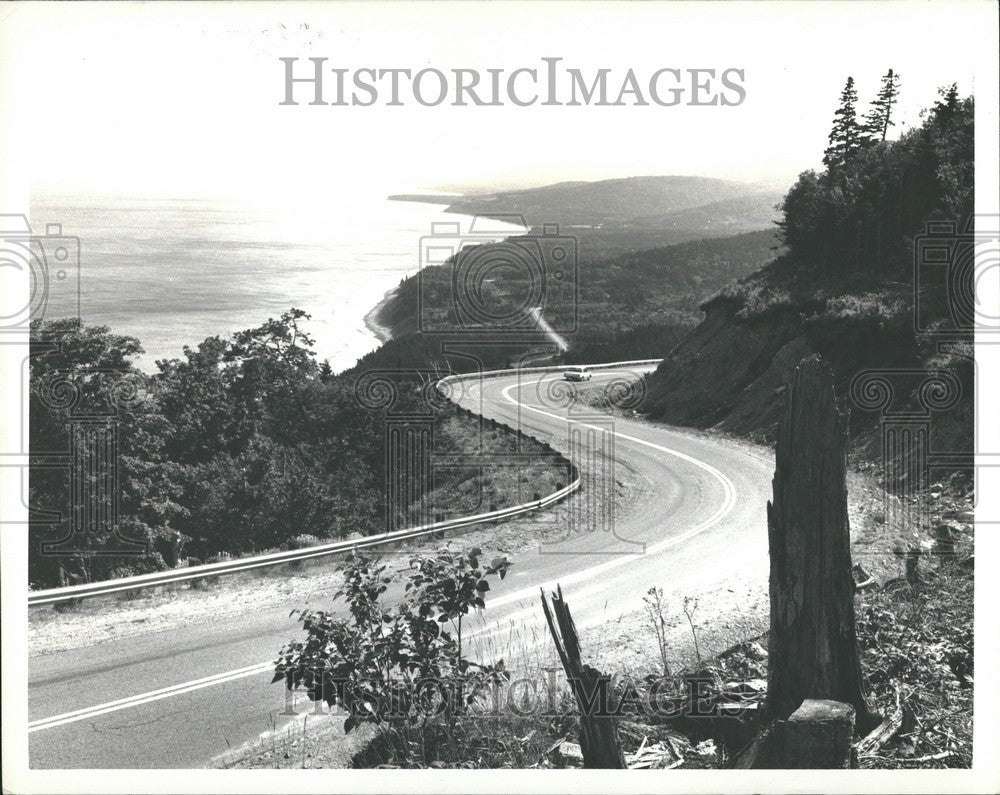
(172, 272)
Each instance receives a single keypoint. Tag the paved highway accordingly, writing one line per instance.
(174, 699)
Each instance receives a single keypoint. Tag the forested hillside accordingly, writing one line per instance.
(622, 306)
(855, 284)
(613, 216)
(246, 444)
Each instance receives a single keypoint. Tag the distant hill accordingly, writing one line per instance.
(725, 217)
(649, 251)
(644, 202)
(423, 198)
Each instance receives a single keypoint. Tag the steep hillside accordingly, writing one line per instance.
(845, 289)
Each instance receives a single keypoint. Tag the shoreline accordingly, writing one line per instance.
(371, 320)
(382, 333)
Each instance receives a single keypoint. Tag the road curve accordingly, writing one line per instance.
(695, 514)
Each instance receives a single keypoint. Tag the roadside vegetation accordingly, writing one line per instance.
(245, 445)
(917, 640)
(402, 665)
(690, 704)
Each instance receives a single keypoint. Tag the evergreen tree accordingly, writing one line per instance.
(946, 108)
(846, 135)
(866, 213)
(879, 118)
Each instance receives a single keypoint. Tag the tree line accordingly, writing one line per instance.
(244, 444)
(862, 212)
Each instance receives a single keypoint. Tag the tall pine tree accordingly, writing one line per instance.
(946, 107)
(879, 118)
(846, 135)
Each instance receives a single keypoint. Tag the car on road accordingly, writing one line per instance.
(576, 374)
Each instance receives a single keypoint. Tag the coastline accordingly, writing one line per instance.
(383, 333)
(371, 320)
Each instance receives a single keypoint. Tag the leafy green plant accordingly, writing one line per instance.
(398, 665)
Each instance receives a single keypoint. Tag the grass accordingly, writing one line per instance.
(500, 483)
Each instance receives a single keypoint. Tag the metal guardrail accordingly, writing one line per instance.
(141, 581)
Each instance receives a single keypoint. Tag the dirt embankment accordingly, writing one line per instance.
(724, 375)
(730, 373)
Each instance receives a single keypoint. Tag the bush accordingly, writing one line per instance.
(875, 306)
(397, 666)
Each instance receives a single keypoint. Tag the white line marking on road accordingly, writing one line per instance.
(145, 698)
(525, 593)
(728, 504)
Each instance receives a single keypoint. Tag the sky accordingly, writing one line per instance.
(183, 100)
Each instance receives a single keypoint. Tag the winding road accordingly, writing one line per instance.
(693, 515)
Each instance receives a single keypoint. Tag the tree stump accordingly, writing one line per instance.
(817, 736)
(598, 732)
(813, 649)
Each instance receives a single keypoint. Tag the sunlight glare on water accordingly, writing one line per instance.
(175, 271)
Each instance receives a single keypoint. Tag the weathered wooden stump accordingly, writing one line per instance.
(813, 649)
(598, 732)
(817, 736)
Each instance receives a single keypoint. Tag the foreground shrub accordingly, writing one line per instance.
(396, 666)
